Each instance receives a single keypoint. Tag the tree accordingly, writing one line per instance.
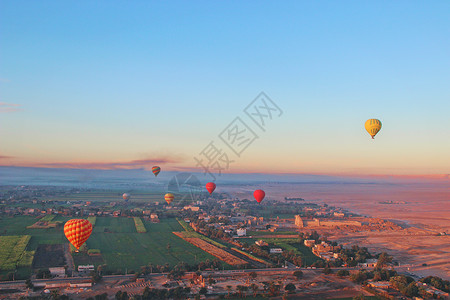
(326, 271)
(252, 275)
(211, 281)
(203, 291)
(103, 296)
(121, 295)
(229, 287)
(290, 288)
(29, 284)
(383, 260)
(254, 288)
(342, 273)
(411, 290)
(95, 277)
(298, 274)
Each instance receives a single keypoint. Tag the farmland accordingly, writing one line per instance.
(122, 247)
(210, 248)
(112, 196)
(140, 227)
(92, 220)
(120, 244)
(12, 252)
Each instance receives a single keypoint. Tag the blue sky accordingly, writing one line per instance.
(119, 81)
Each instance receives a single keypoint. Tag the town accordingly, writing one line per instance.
(238, 247)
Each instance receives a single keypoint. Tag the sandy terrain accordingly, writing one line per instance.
(426, 213)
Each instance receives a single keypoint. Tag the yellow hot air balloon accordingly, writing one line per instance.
(373, 126)
(169, 198)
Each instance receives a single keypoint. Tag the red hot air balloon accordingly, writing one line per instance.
(77, 231)
(210, 186)
(156, 170)
(259, 195)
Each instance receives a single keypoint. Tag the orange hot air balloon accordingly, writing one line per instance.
(77, 231)
(210, 186)
(259, 195)
(169, 198)
(156, 170)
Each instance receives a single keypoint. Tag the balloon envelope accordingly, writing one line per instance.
(77, 231)
(210, 186)
(156, 170)
(169, 198)
(259, 195)
(373, 126)
(126, 196)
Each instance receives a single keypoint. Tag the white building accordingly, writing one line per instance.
(275, 250)
(241, 232)
(85, 268)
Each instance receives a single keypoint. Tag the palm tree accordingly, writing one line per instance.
(254, 288)
(229, 290)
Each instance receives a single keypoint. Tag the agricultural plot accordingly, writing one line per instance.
(140, 227)
(15, 225)
(213, 250)
(12, 252)
(123, 247)
(47, 218)
(92, 220)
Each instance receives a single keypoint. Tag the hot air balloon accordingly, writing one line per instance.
(259, 195)
(210, 186)
(169, 198)
(373, 126)
(126, 197)
(77, 231)
(156, 170)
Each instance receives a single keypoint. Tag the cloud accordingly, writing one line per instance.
(5, 157)
(9, 107)
(133, 164)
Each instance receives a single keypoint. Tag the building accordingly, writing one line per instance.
(275, 250)
(261, 243)
(85, 268)
(58, 271)
(298, 221)
(309, 243)
(154, 218)
(241, 232)
(192, 208)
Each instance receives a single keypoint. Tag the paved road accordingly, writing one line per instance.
(21, 283)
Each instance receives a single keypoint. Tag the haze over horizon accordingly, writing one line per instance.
(131, 85)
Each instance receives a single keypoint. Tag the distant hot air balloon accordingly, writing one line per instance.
(259, 195)
(169, 198)
(373, 126)
(126, 197)
(77, 231)
(210, 186)
(156, 170)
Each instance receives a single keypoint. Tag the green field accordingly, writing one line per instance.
(288, 244)
(259, 233)
(92, 220)
(12, 251)
(122, 247)
(140, 227)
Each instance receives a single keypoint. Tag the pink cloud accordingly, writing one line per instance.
(5, 157)
(9, 107)
(133, 164)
